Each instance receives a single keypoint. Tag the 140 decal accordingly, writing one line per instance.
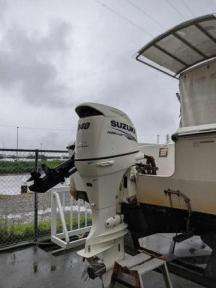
(84, 125)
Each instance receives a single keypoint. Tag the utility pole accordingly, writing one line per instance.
(158, 139)
(167, 139)
(17, 142)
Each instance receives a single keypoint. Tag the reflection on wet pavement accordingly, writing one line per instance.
(32, 267)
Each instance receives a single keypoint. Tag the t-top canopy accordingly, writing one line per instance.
(180, 48)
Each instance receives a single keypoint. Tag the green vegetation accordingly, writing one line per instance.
(21, 232)
(20, 167)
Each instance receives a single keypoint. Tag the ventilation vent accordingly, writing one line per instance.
(86, 111)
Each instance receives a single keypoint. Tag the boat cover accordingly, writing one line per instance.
(182, 47)
(197, 95)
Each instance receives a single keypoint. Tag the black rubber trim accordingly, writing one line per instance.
(107, 157)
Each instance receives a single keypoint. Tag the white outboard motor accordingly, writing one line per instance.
(106, 146)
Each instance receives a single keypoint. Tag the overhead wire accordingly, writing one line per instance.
(144, 12)
(141, 10)
(124, 17)
(188, 8)
(170, 3)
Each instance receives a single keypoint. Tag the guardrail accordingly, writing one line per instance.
(72, 217)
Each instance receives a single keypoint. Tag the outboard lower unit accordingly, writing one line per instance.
(106, 145)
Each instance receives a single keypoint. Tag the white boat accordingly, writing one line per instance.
(182, 196)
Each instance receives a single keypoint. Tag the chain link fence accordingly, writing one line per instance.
(24, 216)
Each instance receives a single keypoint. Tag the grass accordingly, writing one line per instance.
(20, 167)
(14, 233)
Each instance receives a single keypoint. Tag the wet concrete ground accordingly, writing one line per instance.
(32, 267)
(161, 243)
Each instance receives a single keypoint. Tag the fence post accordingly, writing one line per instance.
(36, 202)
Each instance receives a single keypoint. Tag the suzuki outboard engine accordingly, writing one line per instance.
(105, 148)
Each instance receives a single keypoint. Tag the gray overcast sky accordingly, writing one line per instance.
(55, 55)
